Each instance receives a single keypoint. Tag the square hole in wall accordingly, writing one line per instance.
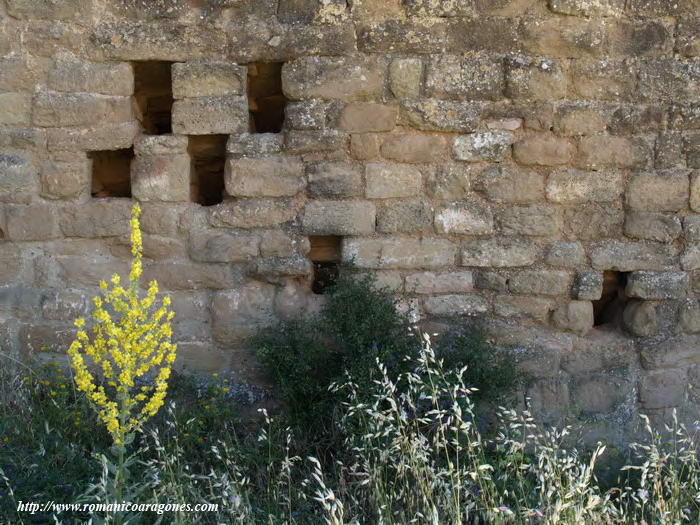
(153, 91)
(608, 309)
(208, 154)
(325, 255)
(266, 101)
(111, 173)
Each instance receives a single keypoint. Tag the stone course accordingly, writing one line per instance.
(508, 161)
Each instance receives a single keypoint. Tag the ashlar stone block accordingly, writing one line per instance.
(264, 177)
(399, 253)
(207, 79)
(161, 177)
(386, 181)
(339, 218)
(491, 146)
(657, 285)
(329, 78)
(210, 115)
(464, 218)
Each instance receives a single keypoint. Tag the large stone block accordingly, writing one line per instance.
(522, 307)
(98, 218)
(335, 179)
(588, 285)
(309, 141)
(669, 80)
(511, 185)
(345, 78)
(399, 253)
(405, 77)
(500, 252)
(65, 177)
(435, 283)
(576, 316)
(15, 109)
(587, 8)
(678, 351)
(79, 109)
(657, 285)
(491, 146)
(18, 177)
(571, 187)
(20, 73)
(207, 79)
(534, 219)
(456, 305)
(658, 191)
(601, 393)
(662, 388)
(240, 313)
(466, 78)
(405, 216)
(543, 150)
(614, 152)
(255, 144)
(252, 213)
(414, 149)
(71, 74)
(535, 78)
(188, 276)
(339, 218)
(595, 221)
(161, 177)
(441, 115)
(386, 181)
(566, 254)
(631, 256)
(440, 8)
(33, 222)
(308, 114)
(53, 10)
(97, 138)
(602, 350)
(264, 177)
(450, 182)
(604, 79)
(661, 227)
(363, 117)
(687, 39)
(210, 115)
(540, 282)
(464, 218)
(223, 247)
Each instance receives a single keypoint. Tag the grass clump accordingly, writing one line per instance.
(359, 325)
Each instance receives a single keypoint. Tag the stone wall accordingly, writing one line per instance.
(531, 163)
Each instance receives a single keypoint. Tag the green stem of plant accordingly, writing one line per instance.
(118, 484)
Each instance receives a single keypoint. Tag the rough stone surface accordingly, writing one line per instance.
(527, 163)
(264, 177)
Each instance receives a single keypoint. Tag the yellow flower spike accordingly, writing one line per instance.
(127, 340)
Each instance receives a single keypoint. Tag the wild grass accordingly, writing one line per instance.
(411, 452)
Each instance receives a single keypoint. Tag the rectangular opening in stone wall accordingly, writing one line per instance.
(608, 309)
(325, 255)
(266, 101)
(153, 91)
(208, 154)
(111, 173)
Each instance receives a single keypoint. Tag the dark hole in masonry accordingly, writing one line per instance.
(153, 91)
(266, 101)
(111, 173)
(325, 256)
(208, 154)
(608, 309)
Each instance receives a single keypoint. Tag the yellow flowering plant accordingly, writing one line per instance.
(129, 346)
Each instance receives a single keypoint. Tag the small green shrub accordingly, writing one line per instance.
(358, 325)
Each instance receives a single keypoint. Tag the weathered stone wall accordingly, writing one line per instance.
(488, 158)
